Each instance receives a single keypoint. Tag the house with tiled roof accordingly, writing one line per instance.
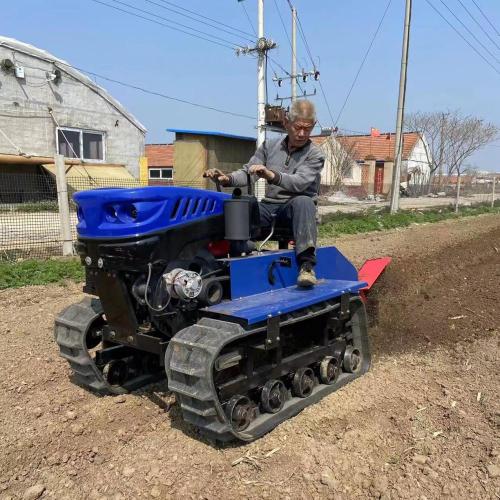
(160, 164)
(372, 157)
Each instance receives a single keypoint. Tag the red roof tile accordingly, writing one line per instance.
(160, 155)
(366, 147)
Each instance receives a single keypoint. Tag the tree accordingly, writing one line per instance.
(450, 139)
(339, 160)
(467, 135)
(434, 130)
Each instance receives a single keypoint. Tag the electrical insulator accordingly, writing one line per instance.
(279, 82)
(316, 75)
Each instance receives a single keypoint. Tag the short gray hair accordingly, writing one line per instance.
(302, 109)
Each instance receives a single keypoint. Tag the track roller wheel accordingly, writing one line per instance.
(273, 396)
(116, 372)
(329, 370)
(93, 336)
(352, 360)
(303, 382)
(240, 412)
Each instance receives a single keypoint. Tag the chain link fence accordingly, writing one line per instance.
(30, 224)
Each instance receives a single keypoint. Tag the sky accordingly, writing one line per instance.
(443, 72)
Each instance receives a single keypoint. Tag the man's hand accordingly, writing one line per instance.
(216, 175)
(262, 172)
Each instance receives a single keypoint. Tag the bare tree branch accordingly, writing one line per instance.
(339, 156)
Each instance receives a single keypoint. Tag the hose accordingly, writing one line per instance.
(162, 308)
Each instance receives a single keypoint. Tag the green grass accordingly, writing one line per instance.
(42, 272)
(39, 272)
(373, 220)
(38, 206)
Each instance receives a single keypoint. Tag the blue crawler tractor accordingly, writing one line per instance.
(179, 289)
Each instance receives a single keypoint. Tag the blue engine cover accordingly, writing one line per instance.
(124, 212)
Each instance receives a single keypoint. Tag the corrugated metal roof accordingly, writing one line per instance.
(210, 132)
(33, 51)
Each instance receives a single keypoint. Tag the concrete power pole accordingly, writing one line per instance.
(398, 147)
(293, 79)
(260, 185)
(262, 46)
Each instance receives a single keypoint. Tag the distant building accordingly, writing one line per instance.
(48, 107)
(373, 160)
(160, 159)
(195, 151)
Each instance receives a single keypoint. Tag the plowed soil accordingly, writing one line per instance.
(423, 423)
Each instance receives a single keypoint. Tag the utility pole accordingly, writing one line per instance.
(262, 46)
(398, 147)
(293, 75)
(293, 80)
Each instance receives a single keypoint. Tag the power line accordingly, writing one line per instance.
(363, 62)
(158, 94)
(304, 39)
(470, 32)
(162, 24)
(206, 17)
(284, 27)
(479, 24)
(462, 37)
(486, 17)
(173, 22)
(248, 17)
(303, 36)
(204, 22)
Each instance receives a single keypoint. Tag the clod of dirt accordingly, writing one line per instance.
(128, 471)
(155, 492)
(37, 412)
(34, 492)
(493, 470)
(328, 479)
(420, 459)
(77, 429)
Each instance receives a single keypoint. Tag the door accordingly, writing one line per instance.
(379, 177)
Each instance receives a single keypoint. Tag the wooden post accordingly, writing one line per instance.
(63, 203)
(493, 192)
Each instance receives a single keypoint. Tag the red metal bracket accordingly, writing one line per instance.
(370, 272)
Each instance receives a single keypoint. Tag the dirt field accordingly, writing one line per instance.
(424, 423)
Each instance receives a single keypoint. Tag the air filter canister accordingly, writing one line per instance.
(237, 219)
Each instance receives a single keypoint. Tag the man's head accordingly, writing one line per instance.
(300, 122)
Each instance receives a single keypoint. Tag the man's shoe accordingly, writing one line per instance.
(307, 277)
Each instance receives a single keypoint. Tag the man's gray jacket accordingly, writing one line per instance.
(296, 173)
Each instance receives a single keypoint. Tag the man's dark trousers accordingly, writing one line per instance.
(299, 213)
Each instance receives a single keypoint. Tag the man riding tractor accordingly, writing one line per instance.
(292, 168)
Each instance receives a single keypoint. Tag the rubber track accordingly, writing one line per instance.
(190, 358)
(70, 331)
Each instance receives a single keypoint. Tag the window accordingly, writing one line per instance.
(83, 144)
(161, 173)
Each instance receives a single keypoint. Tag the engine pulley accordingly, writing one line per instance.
(183, 284)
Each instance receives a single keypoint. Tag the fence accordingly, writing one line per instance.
(352, 198)
(30, 224)
(29, 214)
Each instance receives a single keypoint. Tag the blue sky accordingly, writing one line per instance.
(444, 73)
